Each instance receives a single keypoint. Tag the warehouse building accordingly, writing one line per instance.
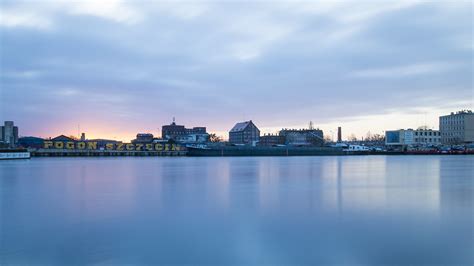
(244, 133)
(271, 140)
(303, 137)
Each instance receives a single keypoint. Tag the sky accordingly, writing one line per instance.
(114, 68)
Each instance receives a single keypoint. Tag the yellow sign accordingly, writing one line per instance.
(92, 145)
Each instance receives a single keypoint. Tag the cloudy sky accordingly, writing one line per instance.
(118, 68)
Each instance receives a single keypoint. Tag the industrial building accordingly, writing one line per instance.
(175, 132)
(271, 140)
(8, 135)
(143, 138)
(192, 138)
(457, 128)
(303, 137)
(244, 133)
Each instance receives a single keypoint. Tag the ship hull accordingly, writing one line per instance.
(267, 151)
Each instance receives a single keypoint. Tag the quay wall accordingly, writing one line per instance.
(101, 153)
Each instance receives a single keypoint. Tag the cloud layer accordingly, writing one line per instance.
(131, 66)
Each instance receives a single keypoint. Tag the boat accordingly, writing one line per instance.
(359, 148)
(9, 154)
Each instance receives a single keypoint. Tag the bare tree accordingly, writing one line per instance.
(327, 138)
(214, 138)
(352, 137)
(368, 136)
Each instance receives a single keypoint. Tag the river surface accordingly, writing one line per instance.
(353, 210)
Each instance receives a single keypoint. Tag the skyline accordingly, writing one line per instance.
(328, 132)
(119, 68)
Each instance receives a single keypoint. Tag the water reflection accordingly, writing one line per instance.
(273, 210)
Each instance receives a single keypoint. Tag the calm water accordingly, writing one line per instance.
(366, 210)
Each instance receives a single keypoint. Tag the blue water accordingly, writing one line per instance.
(359, 210)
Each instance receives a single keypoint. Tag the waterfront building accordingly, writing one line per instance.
(31, 142)
(427, 137)
(398, 138)
(412, 137)
(192, 138)
(63, 138)
(244, 133)
(101, 143)
(457, 128)
(9, 134)
(271, 140)
(172, 131)
(143, 138)
(303, 137)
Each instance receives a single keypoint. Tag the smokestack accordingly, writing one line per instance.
(83, 136)
(339, 134)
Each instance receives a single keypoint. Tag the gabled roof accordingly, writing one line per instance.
(62, 138)
(240, 126)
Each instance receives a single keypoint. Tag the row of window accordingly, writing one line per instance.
(447, 123)
(446, 134)
(427, 133)
(453, 128)
(427, 140)
(448, 140)
(451, 118)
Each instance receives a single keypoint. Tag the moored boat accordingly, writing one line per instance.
(14, 154)
(241, 150)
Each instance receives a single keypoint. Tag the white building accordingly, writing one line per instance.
(457, 128)
(412, 137)
(427, 137)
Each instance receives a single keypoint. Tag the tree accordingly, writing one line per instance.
(327, 138)
(378, 137)
(352, 137)
(369, 136)
(374, 137)
(73, 137)
(214, 138)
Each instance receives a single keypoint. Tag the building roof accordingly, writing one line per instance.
(30, 138)
(103, 140)
(240, 126)
(63, 138)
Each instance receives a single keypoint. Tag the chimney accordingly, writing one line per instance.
(339, 134)
(83, 136)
